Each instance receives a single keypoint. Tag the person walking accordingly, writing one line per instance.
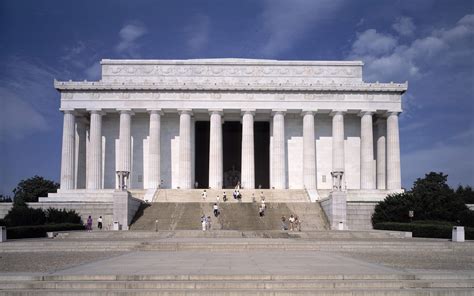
(283, 223)
(99, 223)
(216, 210)
(204, 194)
(224, 196)
(89, 224)
(203, 222)
(292, 222)
(208, 223)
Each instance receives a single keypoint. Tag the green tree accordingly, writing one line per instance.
(430, 198)
(30, 189)
(466, 194)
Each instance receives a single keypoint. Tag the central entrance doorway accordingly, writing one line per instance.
(232, 153)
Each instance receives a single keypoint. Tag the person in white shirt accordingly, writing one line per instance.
(216, 210)
(99, 223)
(292, 222)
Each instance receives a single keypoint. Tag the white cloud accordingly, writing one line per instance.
(93, 72)
(386, 58)
(198, 33)
(371, 42)
(286, 22)
(404, 26)
(17, 117)
(28, 98)
(129, 36)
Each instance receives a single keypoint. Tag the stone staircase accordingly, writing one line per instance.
(194, 195)
(241, 284)
(242, 216)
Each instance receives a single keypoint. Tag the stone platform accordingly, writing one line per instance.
(236, 263)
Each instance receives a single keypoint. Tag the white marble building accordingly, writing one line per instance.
(275, 124)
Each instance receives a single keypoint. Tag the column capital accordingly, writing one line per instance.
(366, 112)
(337, 112)
(278, 111)
(185, 111)
(96, 111)
(158, 111)
(68, 111)
(389, 113)
(310, 112)
(248, 111)
(216, 111)
(126, 111)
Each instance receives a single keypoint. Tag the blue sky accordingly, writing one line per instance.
(430, 44)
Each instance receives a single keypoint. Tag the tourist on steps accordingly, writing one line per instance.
(89, 224)
(216, 210)
(204, 194)
(99, 223)
(224, 197)
(203, 222)
(292, 222)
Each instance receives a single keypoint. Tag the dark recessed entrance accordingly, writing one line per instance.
(201, 165)
(261, 132)
(232, 153)
(232, 144)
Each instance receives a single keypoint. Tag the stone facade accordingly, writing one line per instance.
(141, 117)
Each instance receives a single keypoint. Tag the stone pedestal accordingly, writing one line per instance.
(336, 210)
(3, 234)
(125, 208)
(458, 234)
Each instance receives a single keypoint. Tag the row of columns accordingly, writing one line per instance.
(388, 150)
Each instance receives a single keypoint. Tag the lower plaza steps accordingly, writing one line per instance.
(322, 282)
(329, 284)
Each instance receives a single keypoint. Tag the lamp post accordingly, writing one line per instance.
(123, 177)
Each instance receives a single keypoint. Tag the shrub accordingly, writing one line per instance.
(55, 216)
(39, 230)
(438, 230)
(20, 215)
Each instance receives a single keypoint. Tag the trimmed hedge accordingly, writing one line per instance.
(423, 229)
(39, 230)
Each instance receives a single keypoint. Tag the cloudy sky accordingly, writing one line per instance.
(428, 43)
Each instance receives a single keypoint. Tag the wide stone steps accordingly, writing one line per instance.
(236, 245)
(234, 216)
(248, 195)
(321, 284)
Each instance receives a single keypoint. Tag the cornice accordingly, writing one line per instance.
(142, 86)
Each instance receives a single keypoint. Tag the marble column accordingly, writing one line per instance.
(154, 156)
(338, 141)
(381, 155)
(81, 153)
(393, 152)
(125, 141)
(68, 150)
(215, 150)
(279, 157)
(95, 156)
(309, 151)
(185, 173)
(248, 153)
(367, 174)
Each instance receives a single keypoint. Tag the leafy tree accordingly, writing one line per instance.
(30, 189)
(431, 198)
(20, 214)
(466, 194)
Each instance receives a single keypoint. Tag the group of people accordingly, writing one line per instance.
(206, 222)
(293, 221)
(89, 223)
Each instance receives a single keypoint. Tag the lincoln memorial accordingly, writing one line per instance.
(215, 123)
